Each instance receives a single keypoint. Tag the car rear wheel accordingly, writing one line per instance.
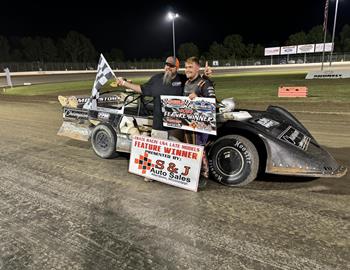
(103, 141)
(233, 161)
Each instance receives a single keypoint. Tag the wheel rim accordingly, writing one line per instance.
(230, 161)
(103, 140)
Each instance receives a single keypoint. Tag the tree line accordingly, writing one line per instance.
(76, 47)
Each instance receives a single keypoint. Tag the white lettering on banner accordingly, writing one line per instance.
(169, 162)
(197, 115)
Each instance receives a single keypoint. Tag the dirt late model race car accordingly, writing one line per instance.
(247, 142)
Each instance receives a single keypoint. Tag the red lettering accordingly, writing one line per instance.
(160, 164)
(187, 170)
(172, 168)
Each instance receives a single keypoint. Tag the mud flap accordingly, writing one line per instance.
(74, 131)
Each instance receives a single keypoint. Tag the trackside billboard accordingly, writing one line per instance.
(306, 48)
(297, 49)
(288, 50)
(272, 51)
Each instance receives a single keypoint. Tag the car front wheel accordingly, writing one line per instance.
(103, 141)
(233, 161)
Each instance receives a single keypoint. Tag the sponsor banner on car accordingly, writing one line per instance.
(75, 113)
(319, 47)
(272, 51)
(170, 162)
(306, 48)
(295, 137)
(102, 99)
(288, 50)
(197, 115)
(266, 122)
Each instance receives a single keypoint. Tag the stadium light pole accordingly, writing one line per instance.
(325, 21)
(334, 25)
(172, 16)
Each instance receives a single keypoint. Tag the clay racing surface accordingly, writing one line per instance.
(62, 207)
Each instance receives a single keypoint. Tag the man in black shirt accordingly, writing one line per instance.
(167, 83)
(198, 86)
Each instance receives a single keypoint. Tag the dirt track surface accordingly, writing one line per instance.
(61, 207)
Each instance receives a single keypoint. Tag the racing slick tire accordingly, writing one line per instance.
(233, 161)
(103, 141)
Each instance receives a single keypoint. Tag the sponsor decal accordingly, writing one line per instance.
(176, 84)
(244, 151)
(204, 106)
(175, 103)
(266, 122)
(197, 115)
(74, 113)
(108, 98)
(103, 115)
(83, 100)
(295, 137)
(169, 162)
(173, 122)
(100, 99)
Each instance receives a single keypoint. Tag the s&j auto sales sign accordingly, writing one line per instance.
(169, 162)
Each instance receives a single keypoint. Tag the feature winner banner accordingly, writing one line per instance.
(197, 115)
(170, 162)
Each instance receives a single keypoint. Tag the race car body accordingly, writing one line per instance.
(247, 141)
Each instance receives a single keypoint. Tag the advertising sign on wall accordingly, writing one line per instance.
(289, 50)
(272, 51)
(306, 48)
(319, 47)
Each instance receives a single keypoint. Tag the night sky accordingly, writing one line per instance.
(140, 29)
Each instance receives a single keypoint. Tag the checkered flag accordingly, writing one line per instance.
(104, 73)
